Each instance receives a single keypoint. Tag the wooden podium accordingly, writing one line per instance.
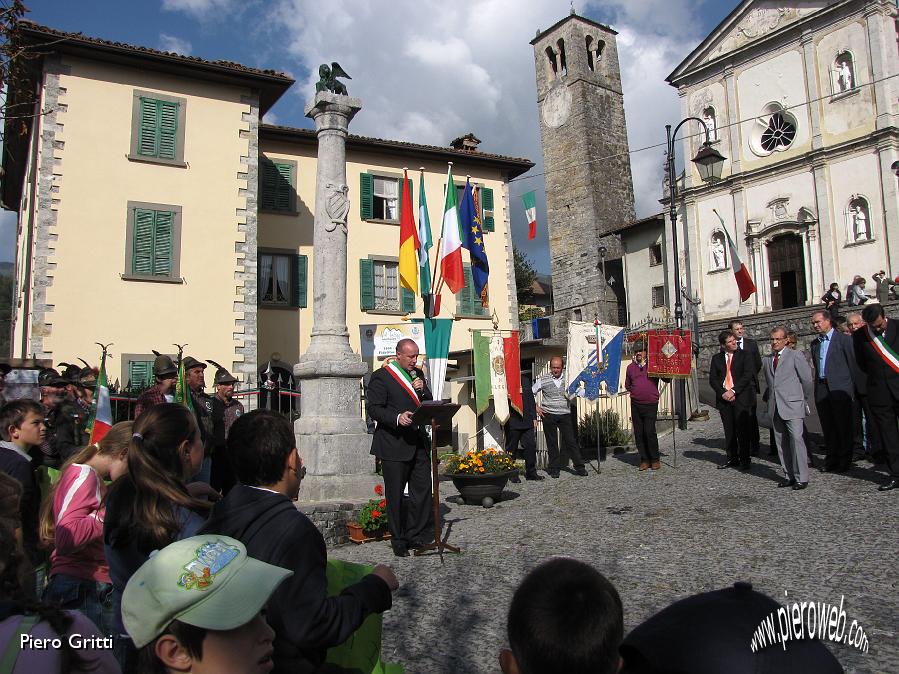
(435, 413)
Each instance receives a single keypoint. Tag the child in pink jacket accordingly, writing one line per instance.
(72, 521)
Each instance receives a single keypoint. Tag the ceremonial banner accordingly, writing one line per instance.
(591, 360)
(669, 354)
(101, 412)
(513, 370)
(498, 378)
(182, 392)
(480, 357)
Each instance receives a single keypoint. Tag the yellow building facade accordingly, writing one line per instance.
(154, 208)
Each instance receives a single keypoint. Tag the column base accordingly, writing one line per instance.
(338, 466)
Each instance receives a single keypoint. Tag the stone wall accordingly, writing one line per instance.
(758, 327)
(330, 518)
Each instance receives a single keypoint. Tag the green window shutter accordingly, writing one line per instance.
(284, 186)
(139, 373)
(300, 265)
(162, 243)
(366, 196)
(142, 244)
(168, 129)
(269, 185)
(366, 284)
(407, 297)
(149, 123)
(487, 205)
(464, 298)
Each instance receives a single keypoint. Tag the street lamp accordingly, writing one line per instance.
(709, 162)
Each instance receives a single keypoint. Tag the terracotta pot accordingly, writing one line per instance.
(477, 489)
(359, 535)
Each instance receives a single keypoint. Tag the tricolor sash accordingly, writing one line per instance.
(883, 349)
(403, 379)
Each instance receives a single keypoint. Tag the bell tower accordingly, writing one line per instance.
(589, 188)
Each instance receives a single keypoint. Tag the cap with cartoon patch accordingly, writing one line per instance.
(206, 581)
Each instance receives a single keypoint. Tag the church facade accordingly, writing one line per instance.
(801, 97)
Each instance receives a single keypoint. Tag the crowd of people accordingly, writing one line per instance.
(851, 373)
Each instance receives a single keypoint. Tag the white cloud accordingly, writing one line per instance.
(175, 44)
(428, 71)
(202, 9)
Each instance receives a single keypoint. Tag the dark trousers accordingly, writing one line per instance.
(223, 477)
(737, 431)
(866, 427)
(753, 428)
(835, 413)
(885, 416)
(407, 524)
(528, 439)
(644, 417)
(561, 423)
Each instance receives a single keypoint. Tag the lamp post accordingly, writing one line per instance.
(709, 162)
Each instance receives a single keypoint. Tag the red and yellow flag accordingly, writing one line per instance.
(408, 266)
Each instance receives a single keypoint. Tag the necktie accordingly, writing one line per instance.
(728, 378)
(776, 358)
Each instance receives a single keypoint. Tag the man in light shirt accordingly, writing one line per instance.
(555, 411)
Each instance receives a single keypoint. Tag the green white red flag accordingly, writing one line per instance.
(530, 211)
(745, 284)
(451, 255)
(102, 409)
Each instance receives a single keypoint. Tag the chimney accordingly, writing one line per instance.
(467, 143)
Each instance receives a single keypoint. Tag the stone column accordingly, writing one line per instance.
(331, 434)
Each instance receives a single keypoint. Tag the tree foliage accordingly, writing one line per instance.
(525, 275)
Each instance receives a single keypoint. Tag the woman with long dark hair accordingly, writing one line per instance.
(150, 506)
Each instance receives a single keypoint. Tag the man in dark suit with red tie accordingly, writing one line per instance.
(731, 376)
(394, 393)
(751, 348)
(877, 354)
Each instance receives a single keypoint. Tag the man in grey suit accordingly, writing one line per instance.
(789, 380)
(833, 357)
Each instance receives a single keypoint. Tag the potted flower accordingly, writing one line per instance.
(372, 522)
(480, 476)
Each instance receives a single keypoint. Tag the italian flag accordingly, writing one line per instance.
(182, 392)
(102, 411)
(745, 284)
(451, 257)
(408, 265)
(530, 210)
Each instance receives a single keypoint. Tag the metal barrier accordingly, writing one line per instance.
(282, 400)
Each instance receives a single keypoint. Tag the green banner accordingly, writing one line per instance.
(362, 651)
(481, 357)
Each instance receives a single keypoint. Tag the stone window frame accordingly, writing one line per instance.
(127, 358)
(661, 257)
(133, 155)
(761, 123)
(293, 209)
(175, 276)
(291, 271)
(392, 259)
(652, 292)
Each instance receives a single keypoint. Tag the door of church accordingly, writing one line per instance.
(786, 265)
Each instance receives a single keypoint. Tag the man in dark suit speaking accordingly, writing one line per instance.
(394, 393)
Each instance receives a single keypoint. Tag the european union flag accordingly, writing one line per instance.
(473, 240)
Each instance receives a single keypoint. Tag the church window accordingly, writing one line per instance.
(843, 73)
(562, 62)
(774, 131)
(858, 220)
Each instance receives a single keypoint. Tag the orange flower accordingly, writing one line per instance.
(379, 490)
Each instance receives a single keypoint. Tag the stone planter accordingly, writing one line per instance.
(358, 535)
(484, 489)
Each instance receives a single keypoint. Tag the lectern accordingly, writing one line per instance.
(435, 413)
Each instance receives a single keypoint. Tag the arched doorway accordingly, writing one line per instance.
(786, 268)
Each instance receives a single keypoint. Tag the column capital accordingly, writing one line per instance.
(326, 103)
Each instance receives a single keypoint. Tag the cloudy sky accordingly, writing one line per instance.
(426, 71)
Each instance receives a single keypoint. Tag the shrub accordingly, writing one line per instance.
(611, 432)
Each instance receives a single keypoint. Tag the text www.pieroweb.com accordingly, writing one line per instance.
(809, 620)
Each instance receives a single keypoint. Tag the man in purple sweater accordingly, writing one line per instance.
(644, 392)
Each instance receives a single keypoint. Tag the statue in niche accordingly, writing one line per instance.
(708, 116)
(859, 223)
(328, 78)
(843, 75)
(337, 206)
(718, 252)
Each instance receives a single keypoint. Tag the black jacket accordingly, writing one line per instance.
(306, 621)
(526, 419)
(386, 398)
(882, 382)
(743, 372)
(751, 349)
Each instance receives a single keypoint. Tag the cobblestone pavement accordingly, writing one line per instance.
(659, 537)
